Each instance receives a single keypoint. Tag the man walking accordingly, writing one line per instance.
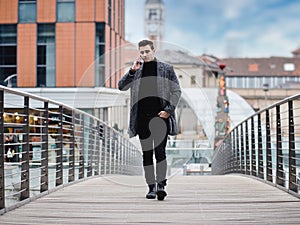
(154, 94)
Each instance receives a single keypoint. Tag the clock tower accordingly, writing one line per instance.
(154, 19)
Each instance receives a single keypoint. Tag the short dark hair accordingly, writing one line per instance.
(146, 42)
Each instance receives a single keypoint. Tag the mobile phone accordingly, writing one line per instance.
(140, 62)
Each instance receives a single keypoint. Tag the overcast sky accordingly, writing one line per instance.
(236, 28)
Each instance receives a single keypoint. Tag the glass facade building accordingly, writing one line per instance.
(60, 43)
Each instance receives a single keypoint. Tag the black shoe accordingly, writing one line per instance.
(152, 192)
(161, 193)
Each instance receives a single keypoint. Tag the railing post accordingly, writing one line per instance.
(117, 166)
(122, 155)
(269, 174)
(110, 155)
(106, 148)
(81, 148)
(292, 161)
(97, 149)
(25, 154)
(232, 155)
(93, 147)
(113, 151)
(125, 156)
(279, 160)
(59, 150)
(116, 154)
(260, 152)
(45, 146)
(235, 153)
(102, 148)
(72, 150)
(247, 156)
(95, 153)
(90, 149)
(2, 178)
(130, 152)
(253, 155)
(242, 150)
(238, 165)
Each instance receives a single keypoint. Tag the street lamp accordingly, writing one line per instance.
(266, 89)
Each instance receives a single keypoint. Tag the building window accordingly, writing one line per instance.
(289, 67)
(193, 80)
(100, 55)
(253, 67)
(109, 12)
(65, 10)
(258, 82)
(46, 55)
(153, 14)
(8, 55)
(250, 82)
(27, 11)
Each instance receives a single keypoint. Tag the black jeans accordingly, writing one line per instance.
(153, 135)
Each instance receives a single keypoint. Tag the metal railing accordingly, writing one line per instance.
(45, 145)
(266, 145)
(189, 157)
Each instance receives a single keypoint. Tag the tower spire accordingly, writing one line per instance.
(154, 19)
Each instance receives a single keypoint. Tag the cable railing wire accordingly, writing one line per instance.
(265, 145)
(46, 145)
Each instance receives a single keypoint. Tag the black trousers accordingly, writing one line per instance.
(153, 135)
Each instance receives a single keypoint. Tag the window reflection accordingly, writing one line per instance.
(27, 11)
(46, 55)
(65, 10)
(8, 55)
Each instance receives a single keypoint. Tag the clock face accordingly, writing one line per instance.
(152, 27)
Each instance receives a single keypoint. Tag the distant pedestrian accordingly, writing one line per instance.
(155, 92)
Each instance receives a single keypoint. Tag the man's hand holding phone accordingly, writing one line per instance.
(137, 64)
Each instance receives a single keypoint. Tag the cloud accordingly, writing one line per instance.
(253, 27)
(134, 20)
(234, 9)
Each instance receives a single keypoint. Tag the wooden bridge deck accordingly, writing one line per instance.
(230, 199)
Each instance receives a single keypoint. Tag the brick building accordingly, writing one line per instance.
(52, 43)
(276, 72)
(66, 50)
(260, 81)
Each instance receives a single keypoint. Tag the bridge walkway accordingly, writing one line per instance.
(118, 199)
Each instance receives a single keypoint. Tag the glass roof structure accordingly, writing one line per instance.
(203, 102)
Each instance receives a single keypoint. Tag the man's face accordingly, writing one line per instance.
(146, 53)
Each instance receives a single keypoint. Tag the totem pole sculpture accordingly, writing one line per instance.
(222, 121)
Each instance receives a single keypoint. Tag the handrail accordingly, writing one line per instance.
(285, 100)
(45, 145)
(265, 145)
